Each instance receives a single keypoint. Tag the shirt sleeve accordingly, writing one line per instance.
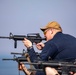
(47, 51)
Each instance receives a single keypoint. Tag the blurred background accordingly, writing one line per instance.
(21, 17)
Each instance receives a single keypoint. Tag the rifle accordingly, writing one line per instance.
(63, 67)
(33, 37)
(23, 58)
(23, 53)
(18, 59)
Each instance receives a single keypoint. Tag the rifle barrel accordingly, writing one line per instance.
(53, 64)
(8, 59)
(4, 37)
(22, 59)
(16, 53)
(59, 70)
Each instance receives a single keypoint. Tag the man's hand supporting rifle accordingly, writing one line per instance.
(23, 68)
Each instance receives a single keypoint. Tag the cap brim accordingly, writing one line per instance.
(43, 29)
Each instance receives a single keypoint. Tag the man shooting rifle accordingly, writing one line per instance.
(58, 46)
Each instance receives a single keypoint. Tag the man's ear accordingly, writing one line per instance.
(51, 31)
